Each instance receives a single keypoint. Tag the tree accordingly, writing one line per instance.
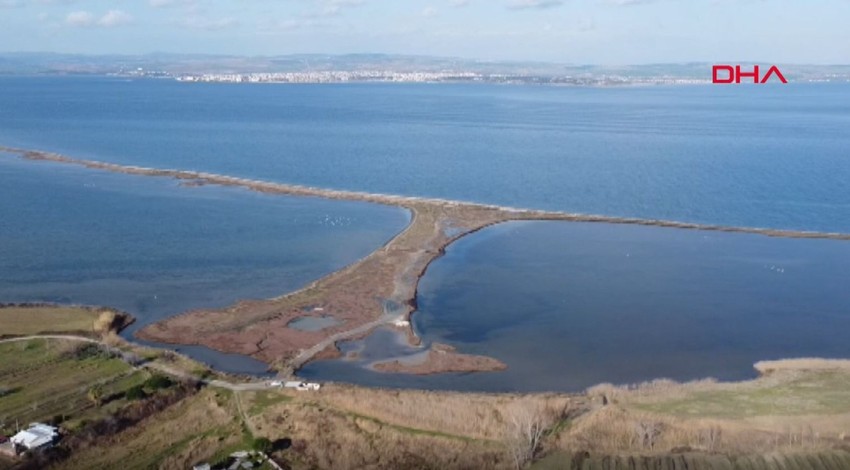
(527, 423)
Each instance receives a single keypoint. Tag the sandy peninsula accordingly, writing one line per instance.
(377, 290)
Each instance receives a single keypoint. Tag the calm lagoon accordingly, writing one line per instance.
(570, 305)
(154, 249)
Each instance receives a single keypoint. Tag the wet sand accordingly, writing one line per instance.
(378, 290)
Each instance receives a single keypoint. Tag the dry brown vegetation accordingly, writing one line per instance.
(790, 414)
(472, 415)
(326, 437)
(800, 406)
(660, 424)
(351, 427)
(194, 430)
(769, 367)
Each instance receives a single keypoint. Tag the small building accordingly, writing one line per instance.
(37, 436)
(302, 386)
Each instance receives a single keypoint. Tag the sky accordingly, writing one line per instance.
(604, 32)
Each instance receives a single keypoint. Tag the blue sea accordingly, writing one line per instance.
(154, 249)
(554, 300)
(766, 156)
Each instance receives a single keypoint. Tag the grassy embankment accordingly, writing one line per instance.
(27, 320)
(64, 383)
(334, 428)
(205, 427)
(339, 427)
(796, 416)
(73, 384)
(793, 418)
(48, 380)
(91, 394)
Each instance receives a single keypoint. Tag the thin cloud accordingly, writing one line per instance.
(80, 19)
(210, 24)
(169, 3)
(21, 3)
(110, 19)
(624, 3)
(115, 18)
(534, 4)
(330, 8)
(291, 25)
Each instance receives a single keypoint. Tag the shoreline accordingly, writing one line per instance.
(793, 413)
(377, 290)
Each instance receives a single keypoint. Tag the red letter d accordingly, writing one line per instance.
(715, 75)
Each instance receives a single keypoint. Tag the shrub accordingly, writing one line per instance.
(282, 444)
(87, 351)
(262, 444)
(95, 395)
(202, 373)
(157, 382)
(136, 392)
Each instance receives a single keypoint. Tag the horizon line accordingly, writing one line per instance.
(415, 56)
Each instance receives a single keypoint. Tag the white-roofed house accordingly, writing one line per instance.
(37, 436)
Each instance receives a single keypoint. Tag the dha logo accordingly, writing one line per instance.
(729, 74)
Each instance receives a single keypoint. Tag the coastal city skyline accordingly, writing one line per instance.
(608, 32)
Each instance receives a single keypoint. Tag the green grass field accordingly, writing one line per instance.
(819, 392)
(259, 401)
(42, 379)
(24, 321)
